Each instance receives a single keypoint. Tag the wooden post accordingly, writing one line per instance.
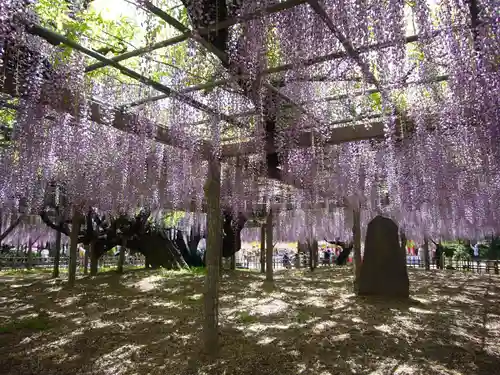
(298, 259)
(239, 191)
(121, 257)
(213, 255)
(269, 247)
(356, 236)
(94, 261)
(263, 248)
(86, 260)
(57, 255)
(29, 263)
(427, 259)
(73, 249)
(309, 251)
(316, 253)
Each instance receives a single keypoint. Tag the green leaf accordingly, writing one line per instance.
(173, 218)
(415, 52)
(376, 101)
(273, 51)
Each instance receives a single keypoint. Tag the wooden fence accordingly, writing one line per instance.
(477, 266)
(8, 262)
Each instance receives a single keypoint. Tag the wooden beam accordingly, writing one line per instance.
(67, 102)
(201, 31)
(351, 52)
(221, 55)
(187, 90)
(57, 39)
(302, 64)
(332, 98)
(337, 135)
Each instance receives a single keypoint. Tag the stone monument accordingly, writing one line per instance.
(383, 272)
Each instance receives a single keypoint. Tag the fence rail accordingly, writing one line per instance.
(477, 266)
(20, 262)
(252, 262)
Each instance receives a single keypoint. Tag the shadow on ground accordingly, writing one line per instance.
(306, 323)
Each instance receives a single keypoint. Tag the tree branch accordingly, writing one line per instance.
(62, 227)
(11, 227)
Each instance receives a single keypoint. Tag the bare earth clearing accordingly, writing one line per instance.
(149, 322)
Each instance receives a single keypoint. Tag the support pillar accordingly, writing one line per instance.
(57, 255)
(356, 236)
(94, 260)
(121, 259)
(73, 249)
(263, 248)
(313, 254)
(427, 259)
(269, 247)
(213, 256)
(29, 263)
(86, 260)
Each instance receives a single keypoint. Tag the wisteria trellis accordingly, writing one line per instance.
(442, 180)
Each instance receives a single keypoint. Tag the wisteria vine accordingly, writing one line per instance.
(436, 171)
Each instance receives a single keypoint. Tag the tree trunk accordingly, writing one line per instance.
(299, 258)
(311, 255)
(29, 263)
(11, 227)
(269, 247)
(121, 258)
(57, 255)
(213, 255)
(233, 262)
(94, 259)
(315, 253)
(73, 248)
(427, 258)
(263, 248)
(356, 236)
(86, 260)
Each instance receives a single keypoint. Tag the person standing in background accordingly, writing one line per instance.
(475, 251)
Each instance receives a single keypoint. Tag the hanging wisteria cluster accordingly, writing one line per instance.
(31, 232)
(426, 73)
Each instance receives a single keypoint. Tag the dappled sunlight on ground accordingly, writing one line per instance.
(149, 322)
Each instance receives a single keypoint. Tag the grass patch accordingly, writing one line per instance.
(246, 317)
(62, 271)
(247, 270)
(194, 271)
(38, 323)
(302, 317)
(24, 271)
(111, 268)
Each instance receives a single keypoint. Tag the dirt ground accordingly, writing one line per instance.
(149, 322)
